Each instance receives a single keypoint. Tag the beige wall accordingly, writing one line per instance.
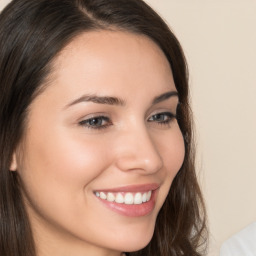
(3, 3)
(219, 39)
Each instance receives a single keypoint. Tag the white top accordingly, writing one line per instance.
(241, 244)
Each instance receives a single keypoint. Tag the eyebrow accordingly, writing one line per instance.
(164, 96)
(108, 100)
(99, 100)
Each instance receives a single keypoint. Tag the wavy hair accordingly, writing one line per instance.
(32, 33)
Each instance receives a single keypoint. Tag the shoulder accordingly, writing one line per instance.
(241, 244)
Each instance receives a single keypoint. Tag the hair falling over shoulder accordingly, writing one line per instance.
(32, 33)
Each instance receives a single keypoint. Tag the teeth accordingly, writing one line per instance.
(125, 198)
(103, 195)
(119, 198)
(144, 197)
(149, 195)
(138, 198)
(110, 197)
(128, 198)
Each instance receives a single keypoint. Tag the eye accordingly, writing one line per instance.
(97, 122)
(162, 118)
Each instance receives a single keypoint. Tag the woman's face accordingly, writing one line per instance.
(102, 146)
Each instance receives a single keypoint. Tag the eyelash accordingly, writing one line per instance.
(168, 115)
(88, 123)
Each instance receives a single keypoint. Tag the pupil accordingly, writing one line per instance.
(159, 117)
(95, 122)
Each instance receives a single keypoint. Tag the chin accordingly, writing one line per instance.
(136, 241)
(138, 246)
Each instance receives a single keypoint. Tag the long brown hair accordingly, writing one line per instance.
(32, 33)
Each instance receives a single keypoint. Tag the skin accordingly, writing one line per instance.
(61, 161)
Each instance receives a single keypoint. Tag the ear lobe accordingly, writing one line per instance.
(13, 166)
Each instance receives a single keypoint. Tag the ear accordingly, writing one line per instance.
(13, 166)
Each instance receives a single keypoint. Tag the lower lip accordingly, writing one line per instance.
(132, 210)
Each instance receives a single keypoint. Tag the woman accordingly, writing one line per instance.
(96, 147)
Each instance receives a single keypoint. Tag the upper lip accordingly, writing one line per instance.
(132, 188)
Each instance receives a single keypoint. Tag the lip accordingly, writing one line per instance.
(134, 210)
(132, 188)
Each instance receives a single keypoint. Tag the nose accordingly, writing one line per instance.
(138, 152)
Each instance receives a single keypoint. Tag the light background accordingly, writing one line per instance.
(219, 40)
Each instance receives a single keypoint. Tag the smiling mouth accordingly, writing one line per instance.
(127, 198)
(131, 201)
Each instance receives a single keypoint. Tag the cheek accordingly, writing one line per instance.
(173, 152)
(171, 148)
(57, 163)
(57, 176)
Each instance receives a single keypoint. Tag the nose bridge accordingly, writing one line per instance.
(138, 151)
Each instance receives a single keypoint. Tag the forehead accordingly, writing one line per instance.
(106, 61)
(111, 44)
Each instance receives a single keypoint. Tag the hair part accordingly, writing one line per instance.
(32, 34)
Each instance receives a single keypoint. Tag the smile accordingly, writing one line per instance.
(128, 198)
(131, 201)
